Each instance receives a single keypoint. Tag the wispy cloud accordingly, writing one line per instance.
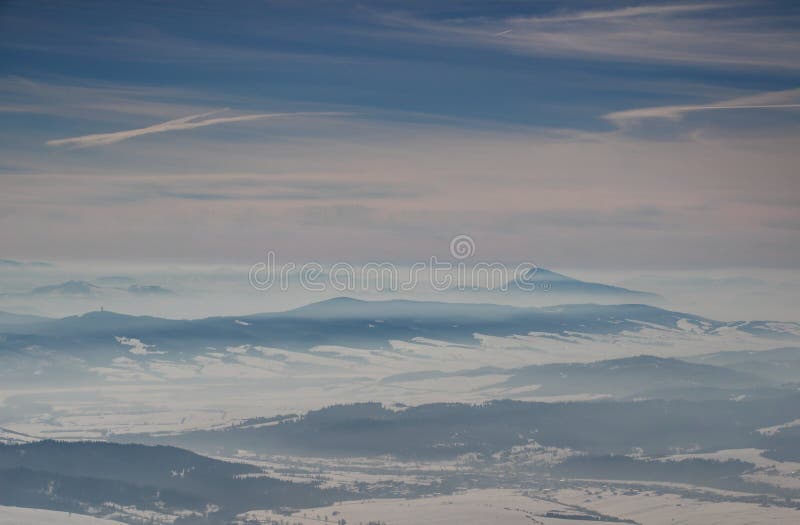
(720, 34)
(787, 99)
(627, 12)
(184, 123)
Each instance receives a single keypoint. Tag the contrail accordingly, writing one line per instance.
(190, 122)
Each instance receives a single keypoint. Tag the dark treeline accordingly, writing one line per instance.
(75, 476)
(447, 430)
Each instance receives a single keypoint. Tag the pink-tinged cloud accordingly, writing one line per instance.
(787, 99)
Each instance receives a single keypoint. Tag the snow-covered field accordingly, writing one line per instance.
(24, 516)
(349, 472)
(651, 507)
(484, 507)
(512, 507)
(147, 393)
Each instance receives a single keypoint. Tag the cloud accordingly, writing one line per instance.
(304, 189)
(609, 198)
(720, 34)
(627, 12)
(136, 346)
(788, 99)
(184, 123)
(339, 215)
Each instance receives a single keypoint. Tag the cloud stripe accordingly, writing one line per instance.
(626, 12)
(183, 123)
(676, 33)
(789, 99)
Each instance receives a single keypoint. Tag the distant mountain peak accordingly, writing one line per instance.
(11, 263)
(544, 273)
(67, 288)
(149, 289)
(550, 282)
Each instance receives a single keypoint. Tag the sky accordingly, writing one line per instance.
(607, 135)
